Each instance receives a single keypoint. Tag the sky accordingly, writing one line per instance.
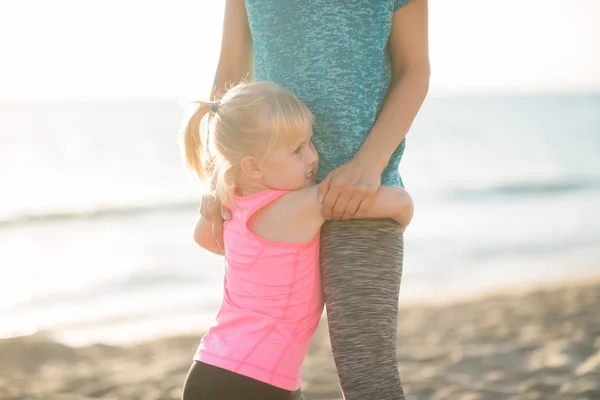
(125, 49)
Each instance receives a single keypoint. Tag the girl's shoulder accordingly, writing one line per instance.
(293, 216)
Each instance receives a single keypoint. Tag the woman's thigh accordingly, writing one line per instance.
(207, 382)
(362, 260)
(361, 264)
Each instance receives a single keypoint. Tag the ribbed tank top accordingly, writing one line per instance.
(272, 301)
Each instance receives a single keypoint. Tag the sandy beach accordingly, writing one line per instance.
(535, 343)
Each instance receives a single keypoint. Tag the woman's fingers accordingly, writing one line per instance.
(323, 188)
(351, 208)
(329, 202)
(365, 204)
(341, 204)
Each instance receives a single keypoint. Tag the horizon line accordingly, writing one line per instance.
(184, 99)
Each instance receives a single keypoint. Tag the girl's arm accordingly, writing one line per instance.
(298, 216)
(390, 202)
(203, 235)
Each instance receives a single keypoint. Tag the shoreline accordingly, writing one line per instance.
(541, 342)
(124, 338)
(515, 289)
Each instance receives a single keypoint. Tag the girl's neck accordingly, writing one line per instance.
(247, 188)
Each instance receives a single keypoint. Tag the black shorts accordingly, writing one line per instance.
(207, 382)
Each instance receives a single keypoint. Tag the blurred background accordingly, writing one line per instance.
(97, 209)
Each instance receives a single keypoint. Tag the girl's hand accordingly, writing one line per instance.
(349, 191)
(213, 210)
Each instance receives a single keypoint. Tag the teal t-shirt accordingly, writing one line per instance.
(333, 55)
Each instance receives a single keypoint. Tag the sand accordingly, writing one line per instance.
(541, 343)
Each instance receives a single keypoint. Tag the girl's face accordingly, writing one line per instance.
(290, 166)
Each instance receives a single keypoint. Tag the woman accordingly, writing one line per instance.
(362, 67)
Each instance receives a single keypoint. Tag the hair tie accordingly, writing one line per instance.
(215, 107)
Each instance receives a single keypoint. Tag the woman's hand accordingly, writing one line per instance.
(349, 191)
(213, 210)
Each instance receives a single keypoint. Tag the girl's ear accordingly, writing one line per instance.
(250, 167)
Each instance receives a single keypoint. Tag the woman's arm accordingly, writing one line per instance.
(235, 63)
(350, 190)
(235, 60)
(409, 52)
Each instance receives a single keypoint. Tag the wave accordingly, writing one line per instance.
(137, 281)
(92, 213)
(502, 190)
(527, 188)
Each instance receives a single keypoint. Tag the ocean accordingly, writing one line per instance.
(97, 211)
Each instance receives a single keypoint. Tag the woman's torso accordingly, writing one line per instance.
(272, 302)
(333, 55)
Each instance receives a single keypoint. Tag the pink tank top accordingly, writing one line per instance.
(272, 302)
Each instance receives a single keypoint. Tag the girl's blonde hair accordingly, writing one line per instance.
(249, 119)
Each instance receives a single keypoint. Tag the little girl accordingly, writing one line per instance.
(258, 158)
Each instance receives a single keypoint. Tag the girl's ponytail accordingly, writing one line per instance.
(197, 155)
(246, 121)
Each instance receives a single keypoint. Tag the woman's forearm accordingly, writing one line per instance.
(397, 115)
(228, 75)
(236, 60)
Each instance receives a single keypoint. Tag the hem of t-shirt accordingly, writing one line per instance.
(398, 4)
(392, 179)
(251, 371)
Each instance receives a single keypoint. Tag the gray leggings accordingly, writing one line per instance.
(361, 266)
